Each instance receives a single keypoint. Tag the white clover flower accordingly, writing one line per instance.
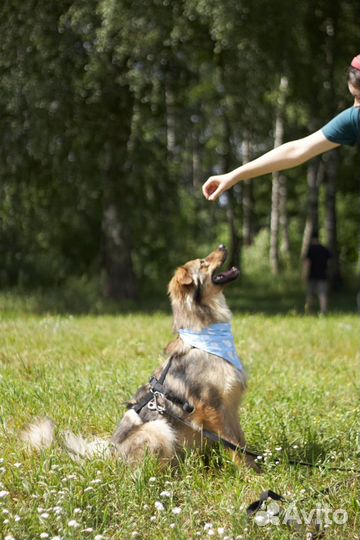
(17, 518)
(153, 518)
(2, 470)
(152, 479)
(9, 537)
(177, 510)
(40, 509)
(44, 535)
(166, 493)
(77, 511)
(295, 446)
(211, 532)
(5, 511)
(44, 515)
(88, 529)
(17, 465)
(73, 523)
(159, 506)
(3, 494)
(135, 534)
(57, 510)
(89, 488)
(96, 481)
(99, 537)
(172, 525)
(221, 531)
(208, 526)
(2, 460)
(278, 448)
(6, 521)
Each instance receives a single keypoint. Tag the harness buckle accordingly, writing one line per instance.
(154, 404)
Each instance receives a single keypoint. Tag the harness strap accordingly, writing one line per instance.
(157, 385)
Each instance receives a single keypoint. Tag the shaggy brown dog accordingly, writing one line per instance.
(210, 386)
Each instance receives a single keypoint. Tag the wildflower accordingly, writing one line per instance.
(278, 448)
(153, 518)
(73, 523)
(17, 465)
(152, 479)
(208, 526)
(9, 537)
(6, 511)
(88, 529)
(2, 470)
(44, 535)
(44, 515)
(165, 494)
(159, 506)
(57, 510)
(135, 534)
(2, 460)
(96, 481)
(77, 511)
(211, 532)
(17, 518)
(295, 446)
(176, 510)
(3, 494)
(221, 531)
(99, 537)
(89, 488)
(172, 525)
(6, 521)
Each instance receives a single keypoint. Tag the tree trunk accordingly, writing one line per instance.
(315, 176)
(283, 215)
(120, 282)
(248, 198)
(275, 194)
(331, 165)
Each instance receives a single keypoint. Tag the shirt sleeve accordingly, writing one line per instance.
(344, 128)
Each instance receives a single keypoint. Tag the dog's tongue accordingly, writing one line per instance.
(226, 277)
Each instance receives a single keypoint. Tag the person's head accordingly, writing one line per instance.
(353, 78)
(314, 237)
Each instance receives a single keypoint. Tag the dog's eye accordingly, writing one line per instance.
(204, 264)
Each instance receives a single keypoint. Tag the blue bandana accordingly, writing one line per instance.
(215, 339)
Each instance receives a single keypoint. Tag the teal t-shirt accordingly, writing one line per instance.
(344, 128)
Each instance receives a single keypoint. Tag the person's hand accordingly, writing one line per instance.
(216, 185)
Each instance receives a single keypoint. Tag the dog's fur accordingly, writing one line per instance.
(211, 385)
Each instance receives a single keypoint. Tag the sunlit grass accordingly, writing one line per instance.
(302, 402)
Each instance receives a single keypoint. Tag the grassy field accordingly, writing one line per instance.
(302, 402)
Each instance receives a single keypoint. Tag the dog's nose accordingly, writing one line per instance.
(222, 247)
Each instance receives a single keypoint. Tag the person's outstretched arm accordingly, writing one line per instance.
(283, 157)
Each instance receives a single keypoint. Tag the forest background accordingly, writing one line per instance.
(113, 114)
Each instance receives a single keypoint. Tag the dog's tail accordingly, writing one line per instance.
(40, 435)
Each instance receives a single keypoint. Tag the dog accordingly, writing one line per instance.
(195, 391)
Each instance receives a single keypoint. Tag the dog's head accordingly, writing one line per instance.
(196, 291)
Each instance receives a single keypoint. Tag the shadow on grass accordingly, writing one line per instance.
(266, 295)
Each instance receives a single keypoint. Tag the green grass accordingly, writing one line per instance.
(302, 397)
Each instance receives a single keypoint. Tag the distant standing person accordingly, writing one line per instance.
(344, 129)
(315, 272)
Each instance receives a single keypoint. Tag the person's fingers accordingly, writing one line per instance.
(210, 187)
(216, 194)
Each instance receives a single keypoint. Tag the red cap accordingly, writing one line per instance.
(355, 62)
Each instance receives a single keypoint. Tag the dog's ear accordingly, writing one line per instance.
(183, 276)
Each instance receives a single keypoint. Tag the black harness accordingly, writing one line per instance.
(157, 390)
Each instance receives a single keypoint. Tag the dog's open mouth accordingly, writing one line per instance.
(226, 277)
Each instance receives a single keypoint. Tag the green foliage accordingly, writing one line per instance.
(134, 104)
